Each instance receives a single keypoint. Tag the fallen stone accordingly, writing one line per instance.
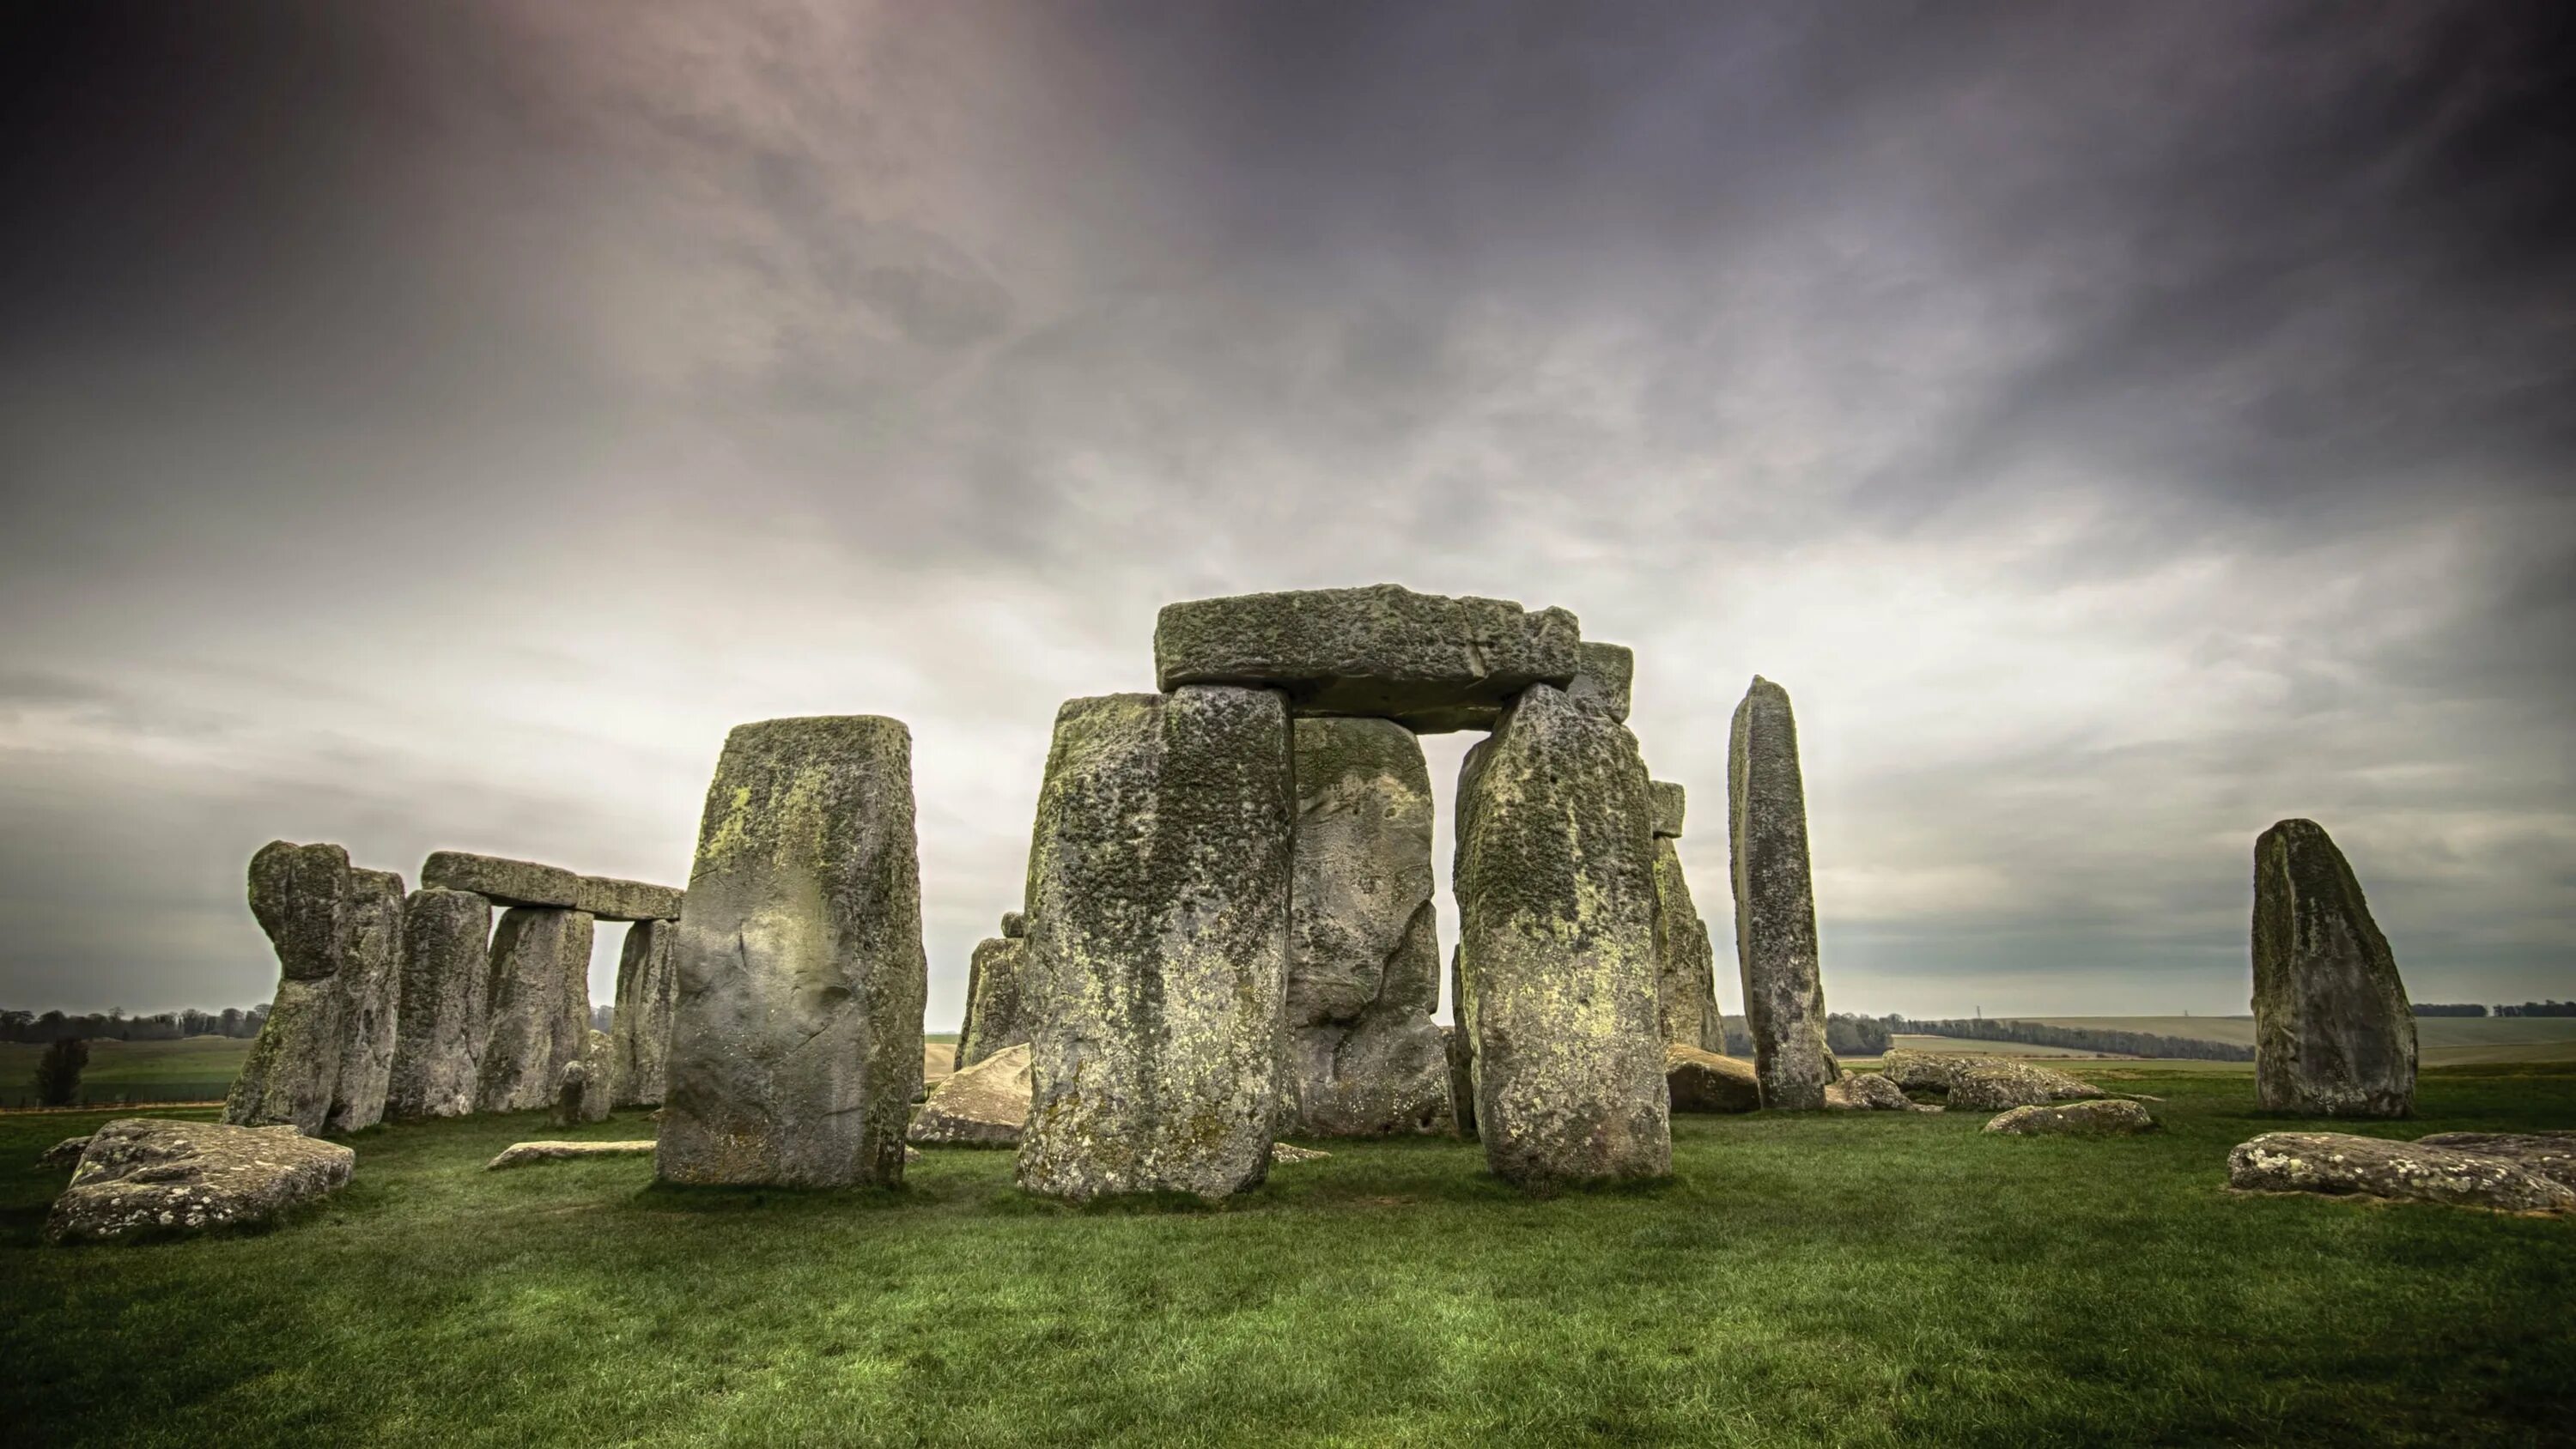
(303, 896)
(647, 985)
(1362, 1057)
(2338, 1164)
(995, 1019)
(2551, 1154)
(1685, 963)
(985, 1105)
(150, 1176)
(1286, 1152)
(538, 1014)
(609, 899)
(1870, 1092)
(445, 993)
(1555, 881)
(796, 1038)
(2100, 1118)
(520, 1154)
(1432, 663)
(1703, 1081)
(502, 880)
(370, 985)
(1671, 805)
(2333, 1033)
(1994, 1084)
(1922, 1071)
(1602, 677)
(1775, 903)
(1015, 924)
(1157, 955)
(66, 1153)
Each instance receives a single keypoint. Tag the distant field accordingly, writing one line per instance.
(198, 1069)
(1962, 1046)
(2440, 1040)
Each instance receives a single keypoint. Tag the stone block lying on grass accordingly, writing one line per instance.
(520, 1154)
(149, 1176)
(1870, 1092)
(985, 1105)
(1993, 1085)
(2096, 1118)
(2551, 1154)
(2338, 1164)
(1284, 1152)
(1706, 1082)
(66, 1153)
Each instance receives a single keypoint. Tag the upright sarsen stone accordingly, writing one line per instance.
(1362, 1055)
(1556, 903)
(1685, 963)
(2333, 1033)
(994, 1019)
(304, 899)
(1603, 678)
(538, 993)
(370, 983)
(446, 981)
(796, 1036)
(1157, 952)
(1775, 903)
(641, 1025)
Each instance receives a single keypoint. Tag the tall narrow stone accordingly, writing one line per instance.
(539, 996)
(446, 985)
(2333, 1033)
(1157, 952)
(796, 1036)
(1556, 902)
(994, 1019)
(1362, 1055)
(641, 1028)
(1685, 963)
(1461, 1044)
(303, 897)
(370, 1001)
(1775, 903)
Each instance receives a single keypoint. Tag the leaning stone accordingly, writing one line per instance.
(1602, 677)
(796, 1040)
(646, 988)
(539, 1015)
(2333, 1033)
(994, 1019)
(370, 985)
(303, 896)
(1994, 1084)
(1671, 804)
(985, 1105)
(151, 1176)
(521, 1154)
(508, 882)
(2551, 1154)
(1703, 1081)
(2098, 1118)
(1685, 963)
(1556, 899)
(446, 984)
(1432, 663)
(66, 1153)
(2335, 1163)
(1015, 924)
(1775, 902)
(1157, 952)
(1870, 1092)
(1362, 1057)
(609, 899)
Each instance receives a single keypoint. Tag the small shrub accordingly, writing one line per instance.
(58, 1072)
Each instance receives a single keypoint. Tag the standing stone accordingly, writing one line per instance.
(539, 994)
(1603, 678)
(1157, 953)
(646, 987)
(994, 1018)
(1362, 1057)
(303, 897)
(1556, 903)
(370, 1001)
(446, 984)
(796, 1037)
(2333, 1034)
(1461, 1045)
(1685, 963)
(1775, 903)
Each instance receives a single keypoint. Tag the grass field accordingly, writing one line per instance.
(197, 1069)
(1873, 1279)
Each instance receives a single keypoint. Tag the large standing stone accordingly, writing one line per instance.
(2333, 1034)
(370, 1001)
(994, 1018)
(446, 985)
(1434, 663)
(151, 1176)
(1556, 900)
(1157, 952)
(796, 1038)
(1685, 963)
(646, 986)
(304, 897)
(1775, 903)
(539, 995)
(1362, 1055)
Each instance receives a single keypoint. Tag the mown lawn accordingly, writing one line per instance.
(1825, 1279)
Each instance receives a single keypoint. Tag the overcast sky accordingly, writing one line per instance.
(2119, 427)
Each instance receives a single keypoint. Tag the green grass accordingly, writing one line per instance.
(197, 1069)
(1865, 1280)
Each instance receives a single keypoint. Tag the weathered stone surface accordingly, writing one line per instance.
(599, 1079)
(647, 984)
(521, 1154)
(303, 896)
(1461, 1047)
(144, 1175)
(444, 1017)
(2551, 1154)
(609, 899)
(1922, 1071)
(1290, 1152)
(1602, 676)
(1434, 663)
(1996, 1083)
(2333, 1033)
(538, 994)
(796, 1039)
(502, 880)
(1157, 953)
(985, 1105)
(1362, 1056)
(1556, 898)
(2335, 1163)
(66, 1153)
(1775, 903)
(1685, 964)
(1870, 1092)
(2098, 1118)
(370, 984)
(1015, 924)
(1671, 805)
(1704, 1081)
(994, 1015)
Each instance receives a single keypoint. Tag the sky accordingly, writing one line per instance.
(2118, 427)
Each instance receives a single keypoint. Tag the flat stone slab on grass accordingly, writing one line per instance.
(2551, 1154)
(1285, 1152)
(2341, 1165)
(1994, 1084)
(1703, 1081)
(2099, 1118)
(146, 1175)
(520, 1154)
(1870, 1092)
(985, 1105)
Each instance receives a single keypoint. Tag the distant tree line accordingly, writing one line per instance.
(2447, 1008)
(27, 1026)
(2539, 1008)
(1845, 1036)
(2528, 1008)
(2077, 1038)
